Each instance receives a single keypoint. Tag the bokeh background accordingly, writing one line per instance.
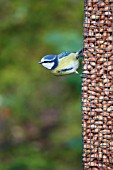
(40, 114)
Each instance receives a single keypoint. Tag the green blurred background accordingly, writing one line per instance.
(40, 114)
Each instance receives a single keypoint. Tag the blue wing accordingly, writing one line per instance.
(65, 69)
(64, 54)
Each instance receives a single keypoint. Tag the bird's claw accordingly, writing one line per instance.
(83, 75)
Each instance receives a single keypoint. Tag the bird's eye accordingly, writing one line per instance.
(45, 62)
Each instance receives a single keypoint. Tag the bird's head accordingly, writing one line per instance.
(49, 61)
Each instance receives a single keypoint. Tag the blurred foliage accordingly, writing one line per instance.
(40, 114)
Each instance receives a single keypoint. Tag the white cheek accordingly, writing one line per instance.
(48, 65)
(42, 60)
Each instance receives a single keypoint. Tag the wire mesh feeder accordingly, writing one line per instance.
(97, 88)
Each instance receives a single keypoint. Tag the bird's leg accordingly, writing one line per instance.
(80, 54)
(83, 75)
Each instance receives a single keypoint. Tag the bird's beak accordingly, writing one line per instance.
(39, 62)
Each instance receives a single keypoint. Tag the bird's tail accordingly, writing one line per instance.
(79, 54)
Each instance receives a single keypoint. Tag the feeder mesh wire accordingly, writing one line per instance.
(97, 87)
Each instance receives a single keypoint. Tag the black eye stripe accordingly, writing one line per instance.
(47, 61)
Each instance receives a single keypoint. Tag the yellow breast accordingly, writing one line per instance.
(69, 61)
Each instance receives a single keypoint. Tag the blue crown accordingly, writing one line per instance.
(49, 57)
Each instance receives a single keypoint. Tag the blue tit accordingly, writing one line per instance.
(62, 64)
